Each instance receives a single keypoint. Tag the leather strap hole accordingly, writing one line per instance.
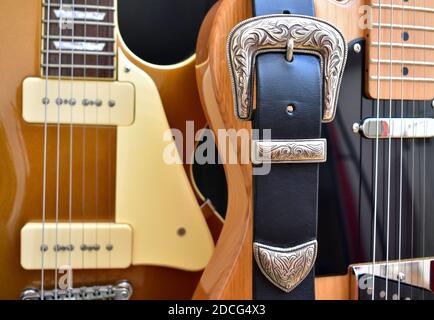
(290, 109)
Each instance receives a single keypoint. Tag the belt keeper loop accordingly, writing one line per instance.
(289, 151)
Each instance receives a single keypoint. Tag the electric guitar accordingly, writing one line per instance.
(89, 208)
(375, 218)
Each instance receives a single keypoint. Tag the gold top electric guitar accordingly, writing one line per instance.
(89, 207)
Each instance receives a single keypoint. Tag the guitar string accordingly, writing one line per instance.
(71, 143)
(59, 104)
(389, 155)
(110, 209)
(374, 241)
(413, 163)
(97, 148)
(401, 145)
(44, 174)
(84, 144)
(390, 150)
(424, 149)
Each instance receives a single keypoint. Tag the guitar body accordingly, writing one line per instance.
(99, 149)
(346, 191)
(176, 84)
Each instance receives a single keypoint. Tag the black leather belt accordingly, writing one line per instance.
(285, 200)
(291, 101)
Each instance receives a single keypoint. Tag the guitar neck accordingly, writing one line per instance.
(401, 55)
(78, 39)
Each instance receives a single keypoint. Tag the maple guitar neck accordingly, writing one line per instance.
(400, 54)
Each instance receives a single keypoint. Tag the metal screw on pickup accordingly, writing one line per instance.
(290, 109)
(85, 102)
(98, 102)
(181, 232)
(357, 48)
(356, 127)
(58, 247)
(401, 276)
(44, 247)
(111, 103)
(124, 294)
(83, 247)
(109, 247)
(59, 101)
(72, 102)
(45, 101)
(127, 69)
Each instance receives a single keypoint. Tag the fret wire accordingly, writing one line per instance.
(76, 66)
(83, 22)
(400, 26)
(404, 45)
(402, 78)
(411, 8)
(82, 6)
(110, 35)
(405, 62)
(85, 53)
(79, 74)
(91, 39)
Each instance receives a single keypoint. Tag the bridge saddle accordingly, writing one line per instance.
(121, 291)
(393, 280)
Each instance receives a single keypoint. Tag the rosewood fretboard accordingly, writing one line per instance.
(80, 37)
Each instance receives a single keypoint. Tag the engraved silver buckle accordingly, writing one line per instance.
(289, 151)
(285, 33)
(286, 268)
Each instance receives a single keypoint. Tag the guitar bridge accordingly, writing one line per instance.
(121, 291)
(395, 280)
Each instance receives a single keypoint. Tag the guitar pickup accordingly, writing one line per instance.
(110, 103)
(395, 128)
(88, 245)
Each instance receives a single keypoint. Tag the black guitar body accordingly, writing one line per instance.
(347, 183)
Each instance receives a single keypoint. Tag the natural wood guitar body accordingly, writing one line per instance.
(228, 275)
(22, 153)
